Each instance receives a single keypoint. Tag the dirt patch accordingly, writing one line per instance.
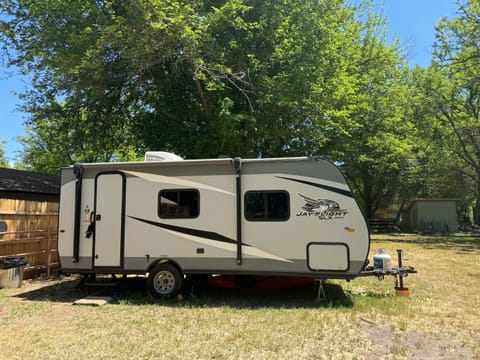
(387, 343)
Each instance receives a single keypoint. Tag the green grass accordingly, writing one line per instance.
(362, 319)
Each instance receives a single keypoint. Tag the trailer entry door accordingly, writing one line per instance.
(109, 223)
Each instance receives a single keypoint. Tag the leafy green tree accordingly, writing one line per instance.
(123, 73)
(435, 170)
(200, 78)
(457, 57)
(274, 77)
(376, 148)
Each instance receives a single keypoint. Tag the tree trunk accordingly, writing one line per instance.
(476, 208)
(367, 198)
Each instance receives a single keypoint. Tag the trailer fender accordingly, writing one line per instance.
(164, 261)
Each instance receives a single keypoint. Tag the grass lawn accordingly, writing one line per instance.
(362, 319)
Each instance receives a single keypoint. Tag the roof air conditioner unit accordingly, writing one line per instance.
(161, 156)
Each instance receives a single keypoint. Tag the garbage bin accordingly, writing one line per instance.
(11, 271)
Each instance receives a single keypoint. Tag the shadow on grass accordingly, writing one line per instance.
(296, 297)
(461, 243)
(133, 291)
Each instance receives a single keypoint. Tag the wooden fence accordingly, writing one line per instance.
(38, 246)
(31, 232)
(22, 215)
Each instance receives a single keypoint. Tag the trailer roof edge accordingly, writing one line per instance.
(218, 161)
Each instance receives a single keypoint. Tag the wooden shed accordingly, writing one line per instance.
(431, 216)
(29, 218)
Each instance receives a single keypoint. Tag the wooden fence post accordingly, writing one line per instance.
(49, 247)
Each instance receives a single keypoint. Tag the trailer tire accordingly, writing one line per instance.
(164, 281)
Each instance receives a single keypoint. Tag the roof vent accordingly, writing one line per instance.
(161, 156)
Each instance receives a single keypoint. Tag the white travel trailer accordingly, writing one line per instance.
(168, 219)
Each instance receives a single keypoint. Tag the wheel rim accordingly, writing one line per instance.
(164, 282)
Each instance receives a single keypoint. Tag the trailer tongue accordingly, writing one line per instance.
(398, 272)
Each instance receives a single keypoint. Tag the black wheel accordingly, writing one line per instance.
(164, 281)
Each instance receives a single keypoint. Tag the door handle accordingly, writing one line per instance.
(91, 226)
(98, 217)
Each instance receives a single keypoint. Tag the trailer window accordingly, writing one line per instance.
(267, 206)
(178, 204)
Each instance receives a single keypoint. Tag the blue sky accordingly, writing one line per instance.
(411, 21)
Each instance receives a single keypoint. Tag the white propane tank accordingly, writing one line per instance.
(382, 260)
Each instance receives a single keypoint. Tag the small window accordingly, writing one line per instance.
(267, 206)
(178, 204)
